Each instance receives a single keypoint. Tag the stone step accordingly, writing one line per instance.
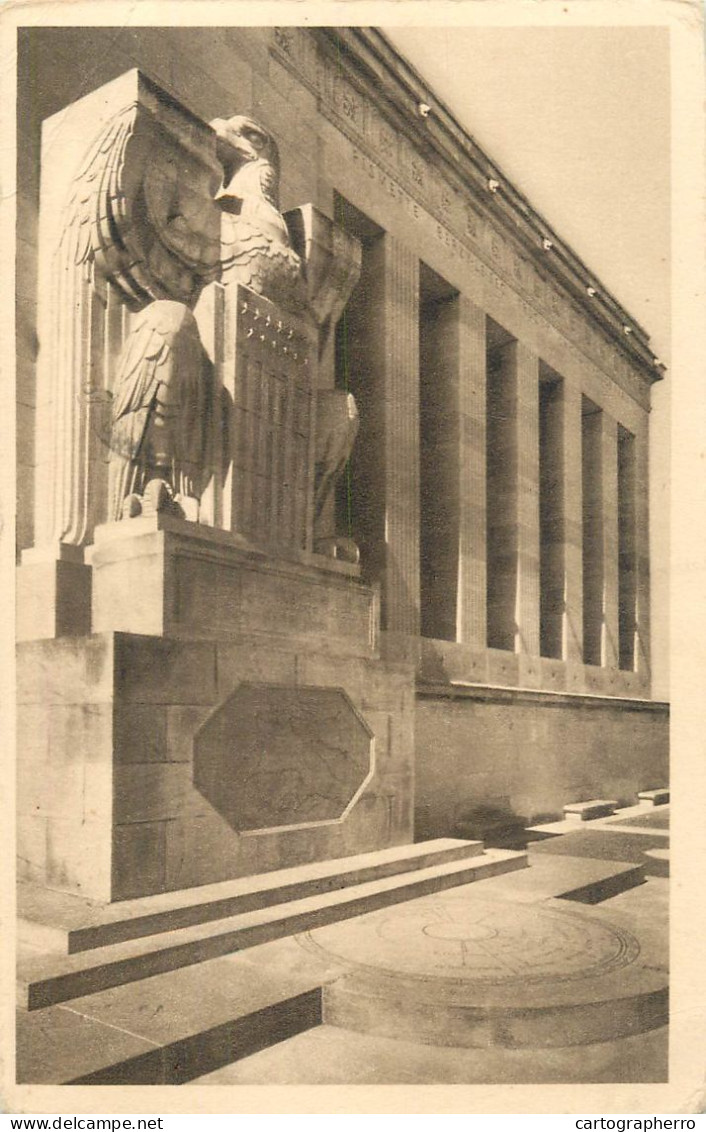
(173, 1027)
(658, 861)
(79, 1050)
(655, 797)
(580, 879)
(54, 921)
(587, 811)
(183, 1023)
(605, 843)
(473, 970)
(47, 980)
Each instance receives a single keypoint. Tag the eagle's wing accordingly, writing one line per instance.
(137, 223)
(147, 355)
(164, 367)
(256, 257)
(146, 366)
(336, 428)
(194, 382)
(141, 209)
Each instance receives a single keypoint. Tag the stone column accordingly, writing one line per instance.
(642, 559)
(471, 609)
(513, 501)
(399, 357)
(381, 346)
(527, 432)
(592, 530)
(609, 491)
(572, 632)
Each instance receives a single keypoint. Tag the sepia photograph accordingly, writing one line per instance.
(343, 437)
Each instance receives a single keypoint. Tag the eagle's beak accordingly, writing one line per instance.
(227, 199)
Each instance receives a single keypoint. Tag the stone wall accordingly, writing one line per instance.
(530, 754)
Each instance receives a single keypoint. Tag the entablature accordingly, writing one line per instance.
(386, 109)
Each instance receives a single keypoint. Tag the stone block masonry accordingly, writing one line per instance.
(109, 805)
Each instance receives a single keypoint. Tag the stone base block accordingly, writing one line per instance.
(53, 600)
(655, 797)
(168, 577)
(588, 811)
(471, 970)
(131, 746)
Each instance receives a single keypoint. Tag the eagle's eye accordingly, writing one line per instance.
(256, 138)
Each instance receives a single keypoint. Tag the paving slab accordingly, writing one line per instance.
(601, 844)
(656, 818)
(53, 1046)
(170, 1027)
(329, 1055)
(582, 879)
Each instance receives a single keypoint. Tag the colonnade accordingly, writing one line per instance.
(499, 505)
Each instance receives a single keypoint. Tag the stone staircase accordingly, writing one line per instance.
(414, 1025)
(57, 922)
(193, 985)
(91, 971)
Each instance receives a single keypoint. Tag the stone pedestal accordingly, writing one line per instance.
(229, 715)
(199, 701)
(167, 577)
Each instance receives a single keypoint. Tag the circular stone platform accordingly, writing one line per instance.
(453, 969)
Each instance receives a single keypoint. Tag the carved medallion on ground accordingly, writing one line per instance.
(278, 757)
(450, 937)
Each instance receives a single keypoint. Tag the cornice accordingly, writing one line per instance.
(375, 68)
(517, 697)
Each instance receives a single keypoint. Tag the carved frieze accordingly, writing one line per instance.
(465, 227)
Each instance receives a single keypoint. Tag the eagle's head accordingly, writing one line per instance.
(242, 141)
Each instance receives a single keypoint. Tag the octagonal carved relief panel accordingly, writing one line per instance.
(282, 757)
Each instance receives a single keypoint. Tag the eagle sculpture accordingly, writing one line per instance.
(163, 398)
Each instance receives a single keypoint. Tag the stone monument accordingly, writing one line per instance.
(201, 692)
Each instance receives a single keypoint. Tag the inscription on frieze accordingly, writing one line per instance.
(279, 756)
(465, 231)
